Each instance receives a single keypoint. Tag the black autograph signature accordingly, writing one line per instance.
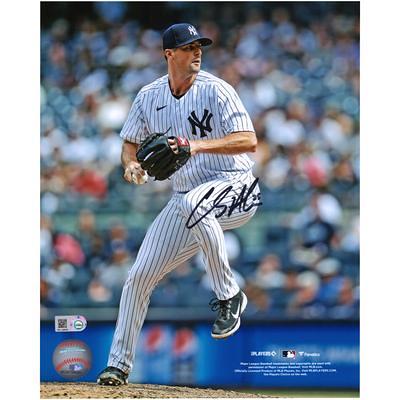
(240, 202)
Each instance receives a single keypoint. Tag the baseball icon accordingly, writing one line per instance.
(72, 359)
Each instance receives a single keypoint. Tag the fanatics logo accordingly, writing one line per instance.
(192, 30)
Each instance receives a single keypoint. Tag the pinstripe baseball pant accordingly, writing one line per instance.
(168, 243)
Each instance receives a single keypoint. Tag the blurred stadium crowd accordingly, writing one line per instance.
(299, 80)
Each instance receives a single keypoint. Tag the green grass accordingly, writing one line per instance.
(306, 393)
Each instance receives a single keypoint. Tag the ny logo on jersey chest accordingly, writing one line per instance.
(203, 124)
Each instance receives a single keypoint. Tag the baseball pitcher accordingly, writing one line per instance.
(192, 127)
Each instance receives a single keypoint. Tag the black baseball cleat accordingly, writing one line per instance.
(229, 311)
(112, 376)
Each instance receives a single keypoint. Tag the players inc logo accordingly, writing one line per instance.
(263, 353)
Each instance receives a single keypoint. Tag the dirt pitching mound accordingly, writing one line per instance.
(82, 390)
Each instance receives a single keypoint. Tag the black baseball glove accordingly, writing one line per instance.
(156, 156)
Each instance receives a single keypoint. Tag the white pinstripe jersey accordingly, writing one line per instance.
(210, 109)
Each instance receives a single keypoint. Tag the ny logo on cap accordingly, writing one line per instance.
(192, 30)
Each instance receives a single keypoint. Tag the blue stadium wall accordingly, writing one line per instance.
(326, 354)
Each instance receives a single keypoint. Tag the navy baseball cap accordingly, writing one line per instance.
(180, 34)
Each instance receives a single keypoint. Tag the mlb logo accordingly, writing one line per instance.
(76, 367)
(288, 353)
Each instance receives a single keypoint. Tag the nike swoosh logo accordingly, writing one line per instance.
(236, 315)
(160, 108)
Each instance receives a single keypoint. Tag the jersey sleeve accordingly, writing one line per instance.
(234, 117)
(134, 128)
